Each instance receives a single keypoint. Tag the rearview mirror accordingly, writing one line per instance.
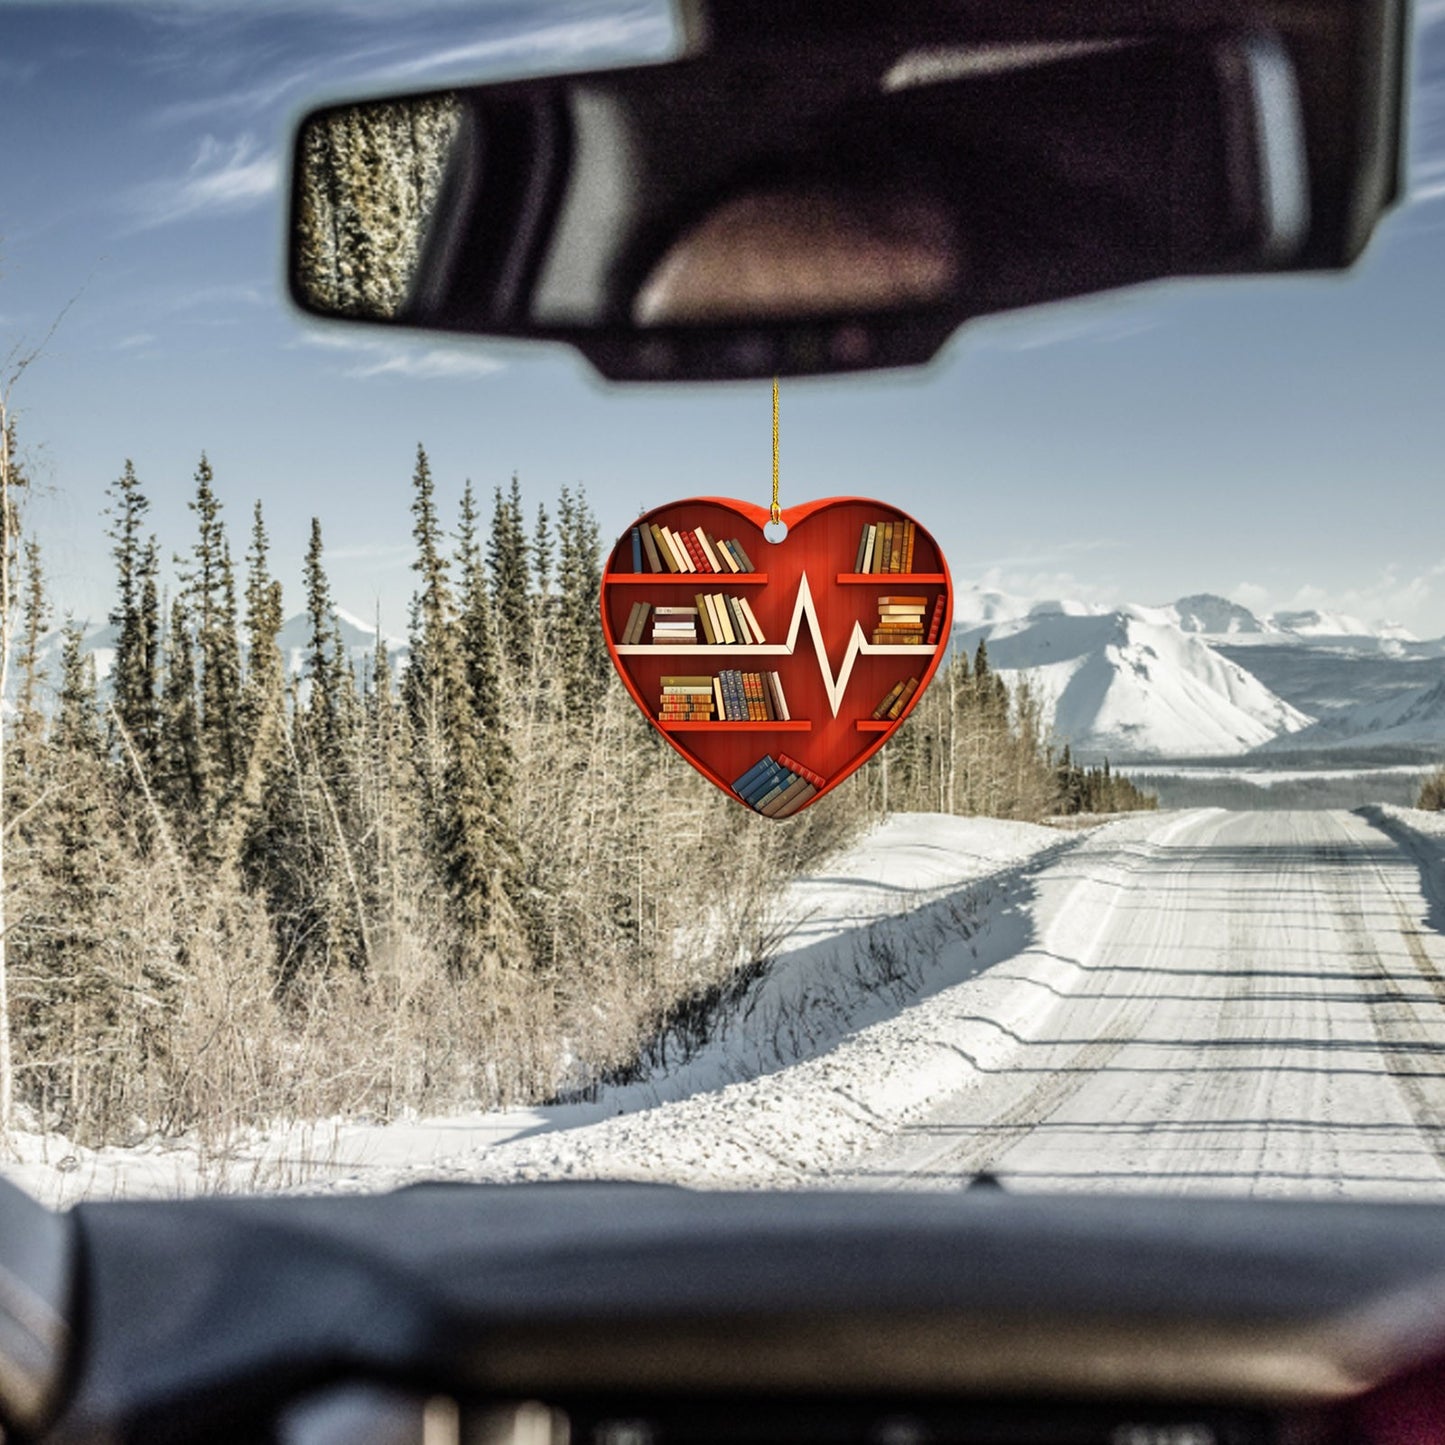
(838, 206)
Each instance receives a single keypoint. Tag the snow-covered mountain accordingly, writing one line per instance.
(358, 639)
(1131, 683)
(1410, 718)
(1214, 616)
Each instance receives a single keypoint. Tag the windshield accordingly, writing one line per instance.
(350, 833)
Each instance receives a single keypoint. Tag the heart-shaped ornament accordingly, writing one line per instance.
(776, 669)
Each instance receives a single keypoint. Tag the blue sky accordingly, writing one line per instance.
(1279, 441)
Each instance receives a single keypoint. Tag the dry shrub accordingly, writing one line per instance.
(1432, 792)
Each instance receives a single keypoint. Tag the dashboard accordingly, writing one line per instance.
(618, 1314)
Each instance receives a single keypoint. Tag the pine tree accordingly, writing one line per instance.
(182, 772)
(473, 846)
(262, 710)
(478, 635)
(210, 592)
(581, 651)
(27, 732)
(322, 669)
(133, 679)
(79, 855)
(507, 563)
(431, 608)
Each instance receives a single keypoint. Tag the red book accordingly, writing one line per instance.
(694, 550)
(935, 623)
(816, 779)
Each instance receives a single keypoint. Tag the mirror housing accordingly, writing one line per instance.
(846, 194)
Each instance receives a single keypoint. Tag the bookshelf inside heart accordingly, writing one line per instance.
(741, 622)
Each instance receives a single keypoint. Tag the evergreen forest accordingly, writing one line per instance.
(235, 891)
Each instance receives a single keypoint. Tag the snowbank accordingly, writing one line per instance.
(920, 902)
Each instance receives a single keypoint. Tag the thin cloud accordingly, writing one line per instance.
(372, 359)
(222, 179)
(1390, 597)
(405, 53)
(565, 41)
(1082, 323)
(135, 342)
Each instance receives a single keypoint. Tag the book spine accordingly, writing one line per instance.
(744, 561)
(935, 622)
(664, 552)
(783, 710)
(707, 550)
(637, 549)
(908, 547)
(869, 549)
(737, 702)
(705, 617)
(729, 622)
(679, 551)
(649, 549)
(806, 796)
(717, 698)
(694, 552)
(753, 773)
(881, 711)
(778, 806)
(816, 779)
(729, 561)
(751, 617)
(903, 699)
(734, 621)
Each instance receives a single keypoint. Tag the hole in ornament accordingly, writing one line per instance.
(775, 531)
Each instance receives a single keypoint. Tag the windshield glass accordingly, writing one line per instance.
(350, 836)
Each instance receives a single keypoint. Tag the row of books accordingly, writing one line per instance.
(662, 549)
(731, 696)
(899, 696)
(726, 621)
(901, 621)
(778, 786)
(886, 547)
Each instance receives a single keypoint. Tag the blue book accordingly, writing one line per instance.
(637, 549)
(781, 782)
(766, 785)
(752, 774)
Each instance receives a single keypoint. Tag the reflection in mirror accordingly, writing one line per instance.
(805, 250)
(367, 183)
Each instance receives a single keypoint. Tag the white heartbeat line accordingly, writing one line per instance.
(835, 687)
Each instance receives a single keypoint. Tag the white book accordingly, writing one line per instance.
(725, 627)
(868, 549)
(726, 554)
(783, 712)
(751, 618)
(679, 552)
(707, 550)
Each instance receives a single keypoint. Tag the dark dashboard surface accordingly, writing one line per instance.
(598, 1295)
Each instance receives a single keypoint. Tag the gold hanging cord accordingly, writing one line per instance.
(777, 511)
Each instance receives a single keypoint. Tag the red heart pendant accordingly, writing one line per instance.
(776, 670)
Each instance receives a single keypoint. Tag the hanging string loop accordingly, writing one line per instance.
(776, 511)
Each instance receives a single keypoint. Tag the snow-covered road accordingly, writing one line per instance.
(1201, 1000)
(1258, 1007)
(1241, 1002)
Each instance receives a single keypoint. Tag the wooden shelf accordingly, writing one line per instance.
(638, 579)
(912, 579)
(901, 649)
(713, 649)
(795, 726)
(875, 725)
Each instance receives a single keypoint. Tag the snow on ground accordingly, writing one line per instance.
(921, 900)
